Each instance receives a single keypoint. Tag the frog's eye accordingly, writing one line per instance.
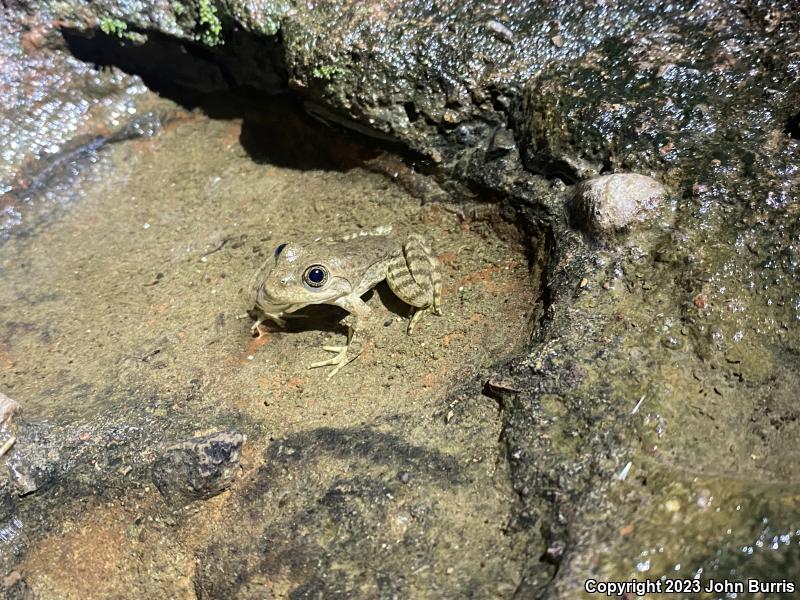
(316, 276)
(279, 249)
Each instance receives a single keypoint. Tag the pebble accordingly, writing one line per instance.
(500, 31)
(198, 468)
(612, 204)
(7, 407)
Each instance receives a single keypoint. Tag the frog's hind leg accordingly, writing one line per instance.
(414, 277)
(346, 354)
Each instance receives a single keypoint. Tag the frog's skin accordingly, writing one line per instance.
(345, 270)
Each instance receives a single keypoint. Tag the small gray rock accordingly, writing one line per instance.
(198, 468)
(500, 31)
(501, 143)
(7, 493)
(612, 204)
(8, 407)
(36, 459)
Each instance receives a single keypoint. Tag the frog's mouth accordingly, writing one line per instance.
(274, 306)
(290, 308)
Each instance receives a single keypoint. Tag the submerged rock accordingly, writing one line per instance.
(612, 204)
(199, 468)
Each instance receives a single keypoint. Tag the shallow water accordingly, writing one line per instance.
(49, 98)
(129, 303)
(140, 282)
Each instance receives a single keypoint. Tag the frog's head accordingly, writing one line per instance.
(299, 276)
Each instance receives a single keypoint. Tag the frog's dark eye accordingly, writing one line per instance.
(279, 249)
(316, 276)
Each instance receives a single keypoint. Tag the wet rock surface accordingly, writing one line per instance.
(654, 409)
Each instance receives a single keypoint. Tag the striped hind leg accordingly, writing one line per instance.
(414, 277)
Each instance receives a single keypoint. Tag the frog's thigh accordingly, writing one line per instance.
(409, 274)
(421, 260)
(436, 280)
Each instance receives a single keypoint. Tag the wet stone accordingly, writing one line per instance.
(6, 497)
(502, 142)
(199, 468)
(8, 407)
(36, 457)
(14, 587)
(612, 204)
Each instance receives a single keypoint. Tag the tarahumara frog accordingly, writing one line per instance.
(339, 272)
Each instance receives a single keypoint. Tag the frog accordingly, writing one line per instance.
(339, 272)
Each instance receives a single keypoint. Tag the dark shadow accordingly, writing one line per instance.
(245, 78)
(793, 127)
(356, 443)
(392, 303)
(280, 133)
(317, 317)
(327, 317)
(184, 71)
(278, 537)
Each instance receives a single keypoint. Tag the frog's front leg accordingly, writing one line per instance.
(276, 318)
(359, 311)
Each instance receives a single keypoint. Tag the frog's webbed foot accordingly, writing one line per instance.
(341, 359)
(353, 348)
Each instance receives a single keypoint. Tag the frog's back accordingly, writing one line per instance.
(363, 259)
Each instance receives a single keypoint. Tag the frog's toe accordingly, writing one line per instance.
(335, 348)
(336, 369)
(418, 313)
(327, 363)
(337, 362)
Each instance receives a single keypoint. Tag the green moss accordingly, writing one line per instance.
(327, 72)
(113, 26)
(267, 19)
(211, 26)
(201, 19)
(116, 27)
